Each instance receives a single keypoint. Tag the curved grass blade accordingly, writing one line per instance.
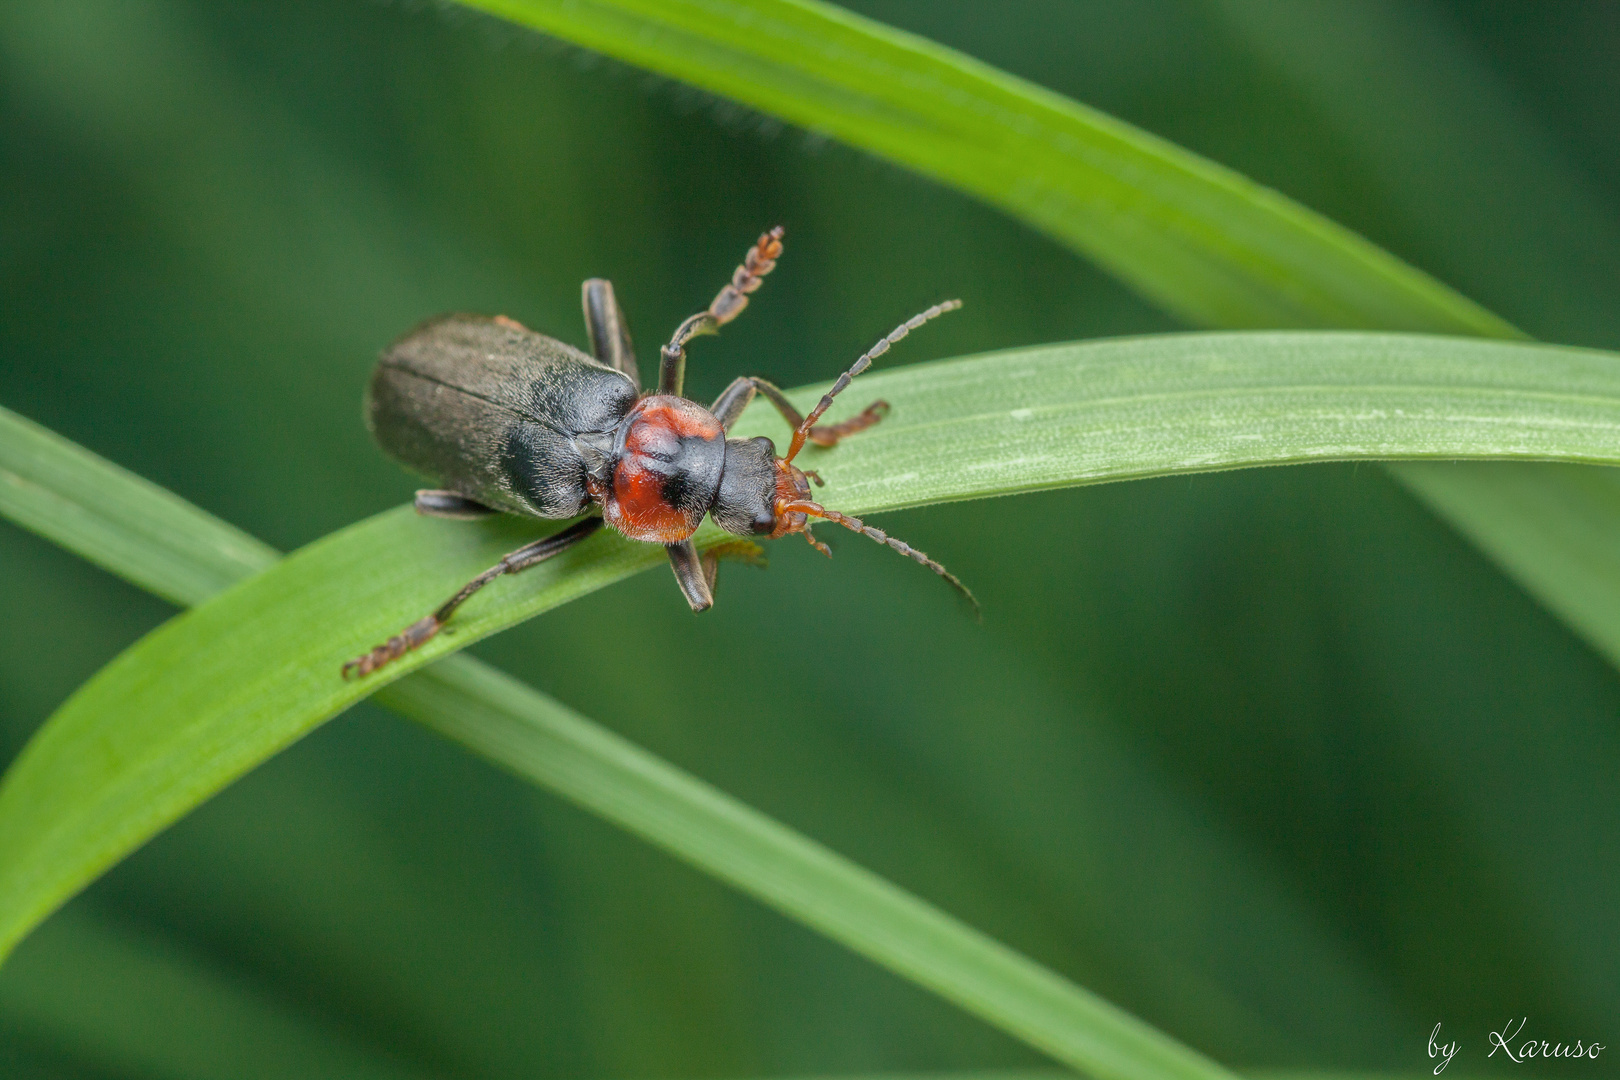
(123, 523)
(207, 696)
(549, 744)
(1199, 239)
(173, 548)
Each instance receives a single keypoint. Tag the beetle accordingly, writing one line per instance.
(512, 421)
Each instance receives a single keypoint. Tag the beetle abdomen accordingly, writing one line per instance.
(490, 410)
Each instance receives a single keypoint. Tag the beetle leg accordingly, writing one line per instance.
(689, 567)
(829, 434)
(732, 401)
(817, 544)
(691, 575)
(449, 504)
(423, 630)
(736, 397)
(610, 336)
(727, 305)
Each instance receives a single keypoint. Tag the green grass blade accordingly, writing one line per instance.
(210, 694)
(548, 744)
(122, 523)
(1199, 239)
(169, 546)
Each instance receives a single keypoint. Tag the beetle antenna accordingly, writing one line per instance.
(861, 365)
(857, 525)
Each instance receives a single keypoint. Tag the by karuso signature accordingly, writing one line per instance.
(1516, 1049)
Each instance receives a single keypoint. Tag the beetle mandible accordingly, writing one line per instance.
(511, 421)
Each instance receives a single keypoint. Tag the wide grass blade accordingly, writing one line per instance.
(162, 543)
(210, 694)
(1198, 239)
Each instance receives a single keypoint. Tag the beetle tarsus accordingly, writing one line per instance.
(829, 434)
(740, 394)
(422, 631)
(760, 260)
(413, 636)
(727, 304)
(817, 544)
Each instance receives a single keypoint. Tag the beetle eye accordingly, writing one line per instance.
(764, 521)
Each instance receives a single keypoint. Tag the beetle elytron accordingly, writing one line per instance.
(511, 421)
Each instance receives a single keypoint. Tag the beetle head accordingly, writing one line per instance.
(762, 493)
(746, 501)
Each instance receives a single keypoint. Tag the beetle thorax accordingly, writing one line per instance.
(669, 457)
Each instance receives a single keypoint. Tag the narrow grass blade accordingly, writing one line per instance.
(122, 523)
(1199, 239)
(550, 745)
(210, 694)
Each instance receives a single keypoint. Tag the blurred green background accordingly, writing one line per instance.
(1272, 759)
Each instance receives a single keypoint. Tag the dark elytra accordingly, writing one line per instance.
(509, 420)
(492, 411)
